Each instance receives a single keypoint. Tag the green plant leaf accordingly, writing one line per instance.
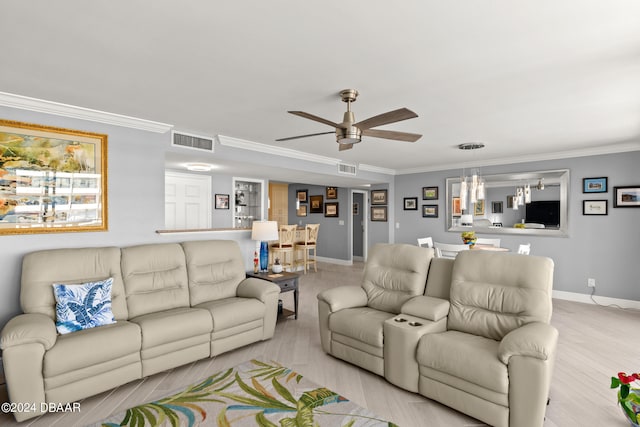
(318, 397)
(222, 418)
(615, 382)
(282, 390)
(350, 423)
(624, 391)
(262, 421)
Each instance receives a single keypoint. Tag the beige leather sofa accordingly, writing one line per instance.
(475, 336)
(174, 303)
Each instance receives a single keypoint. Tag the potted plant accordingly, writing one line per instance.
(276, 267)
(628, 397)
(469, 237)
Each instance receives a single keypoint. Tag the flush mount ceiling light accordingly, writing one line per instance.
(199, 167)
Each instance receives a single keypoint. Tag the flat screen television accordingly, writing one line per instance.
(545, 212)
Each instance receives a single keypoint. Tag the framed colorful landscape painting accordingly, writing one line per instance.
(51, 179)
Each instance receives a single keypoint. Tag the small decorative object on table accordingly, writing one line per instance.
(276, 267)
(628, 398)
(469, 237)
(256, 266)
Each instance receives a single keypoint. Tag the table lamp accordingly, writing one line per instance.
(263, 231)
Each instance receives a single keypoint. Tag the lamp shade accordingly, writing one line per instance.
(264, 230)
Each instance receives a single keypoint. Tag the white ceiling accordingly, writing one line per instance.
(529, 78)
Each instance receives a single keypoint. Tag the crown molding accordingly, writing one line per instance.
(584, 152)
(66, 110)
(377, 169)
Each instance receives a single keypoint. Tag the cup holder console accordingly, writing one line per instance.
(400, 319)
(415, 324)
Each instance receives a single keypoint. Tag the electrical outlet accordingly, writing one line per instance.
(591, 282)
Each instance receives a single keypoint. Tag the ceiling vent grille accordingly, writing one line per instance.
(195, 142)
(347, 169)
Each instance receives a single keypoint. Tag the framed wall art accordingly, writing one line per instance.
(51, 179)
(626, 197)
(410, 203)
(456, 207)
(379, 213)
(595, 207)
(332, 193)
(496, 207)
(222, 201)
(478, 208)
(301, 195)
(331, 209)
(430, 211)
(378, 197)
(594, 185)
(315, 204)
(429, 193)
(302, 210)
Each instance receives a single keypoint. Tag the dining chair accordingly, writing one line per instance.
(307, 246)
(284, 246)
(524, 249)
(426, 242)
(447, 250)
(484, 241)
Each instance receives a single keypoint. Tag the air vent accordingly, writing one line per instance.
(195, 142)
(347, 169)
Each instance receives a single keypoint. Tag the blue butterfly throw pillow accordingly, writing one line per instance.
(83, 306)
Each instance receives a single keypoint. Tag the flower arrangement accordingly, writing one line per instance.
(469, 237)
(628, 397)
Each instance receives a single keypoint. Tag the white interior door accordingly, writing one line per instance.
(187, 201)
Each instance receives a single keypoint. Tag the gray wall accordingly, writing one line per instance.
(602, 247)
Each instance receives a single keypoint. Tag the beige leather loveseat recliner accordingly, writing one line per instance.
(476, 338)
(174, 303)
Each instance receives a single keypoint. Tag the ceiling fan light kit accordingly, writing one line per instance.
(348, 132)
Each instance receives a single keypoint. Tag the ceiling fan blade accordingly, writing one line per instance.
(342, 147)
(304, 136)
(391, 134)
(315, 118)
(386, 118)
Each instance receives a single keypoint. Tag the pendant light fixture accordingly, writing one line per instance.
(472, 189)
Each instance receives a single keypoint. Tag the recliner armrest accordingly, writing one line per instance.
(536, 339)
(425, 307)
(28, 329)
(252, 287)
(344, 297)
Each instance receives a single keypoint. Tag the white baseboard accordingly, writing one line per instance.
(334, 261)
(357, 258)
(600, 300)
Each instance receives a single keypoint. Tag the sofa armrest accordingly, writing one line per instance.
(252, 287)
(536, 339)
(425, 307)
(344, 297)
(29, 329)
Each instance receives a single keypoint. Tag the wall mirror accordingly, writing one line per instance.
(504, 209)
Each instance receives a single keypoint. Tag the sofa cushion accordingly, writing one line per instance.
(467, 356)
(364, 324)
(91, 347)
(171, 325)
(215, 268)
(493, 293)
(155, 278)
(230, 312)
(83, 306)
(41, 269)
(394, 273)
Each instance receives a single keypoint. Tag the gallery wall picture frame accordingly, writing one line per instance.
(429, 193)
(410, 203)
(315, 204)
(302, 196)
(332, 193)
(54, 179)
(478, 208)
(379, 213)
(331, 210)
(302, 210)
(456, 207)
(222, 201)
(378, 197)
(594, 185)
(626, 197)
(496, 207)
(595, 207)
(430, 211)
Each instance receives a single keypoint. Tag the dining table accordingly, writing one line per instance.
(481, 247)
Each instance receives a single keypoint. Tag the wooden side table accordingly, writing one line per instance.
(287, 282)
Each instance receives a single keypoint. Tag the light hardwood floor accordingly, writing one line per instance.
(595, 343)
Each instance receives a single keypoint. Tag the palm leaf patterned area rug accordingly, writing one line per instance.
(254, 393)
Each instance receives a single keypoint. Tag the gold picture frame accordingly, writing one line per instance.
(51, 179)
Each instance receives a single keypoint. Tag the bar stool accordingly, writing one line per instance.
(308, 245)
(285, 246)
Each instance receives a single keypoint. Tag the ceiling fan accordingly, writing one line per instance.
(348, 132)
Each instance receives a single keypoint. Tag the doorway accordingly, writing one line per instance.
(359, 225)
(187, 201)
